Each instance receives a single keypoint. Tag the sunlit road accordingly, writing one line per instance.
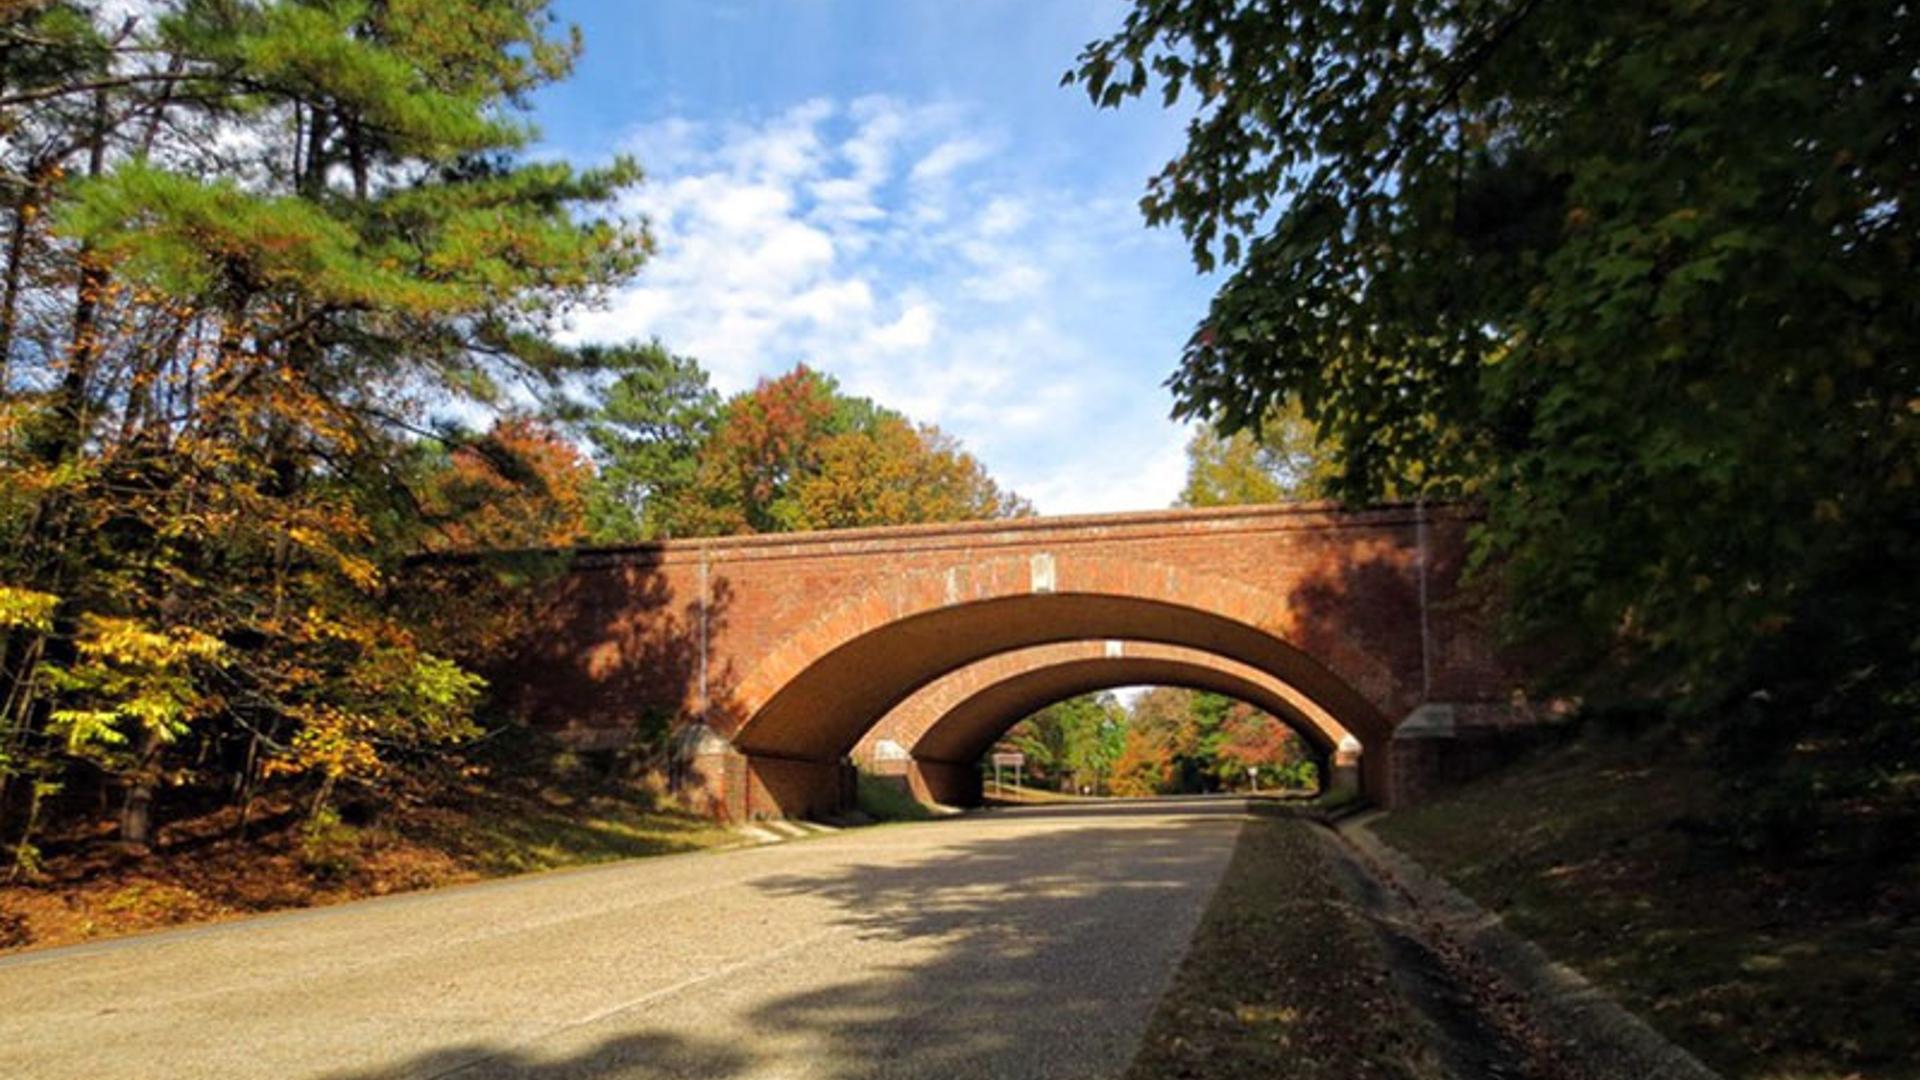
(1009, 944)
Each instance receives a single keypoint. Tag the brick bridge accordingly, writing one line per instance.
(776, 659)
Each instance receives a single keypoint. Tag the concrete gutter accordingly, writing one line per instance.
(1592, 1032)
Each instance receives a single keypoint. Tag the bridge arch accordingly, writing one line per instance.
(946, 726)
(784, 648)
(821, 688)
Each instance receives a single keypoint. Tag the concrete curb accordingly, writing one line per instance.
(1595, 1033)
(779, 831)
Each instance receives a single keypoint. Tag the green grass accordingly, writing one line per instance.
(520, 839)
(1605, 854)
(883, 799)
(1285, 977)
(1018, 794)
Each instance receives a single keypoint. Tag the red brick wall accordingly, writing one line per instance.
(793, 645)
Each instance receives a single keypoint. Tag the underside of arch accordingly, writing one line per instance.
(941, 719)
(968, 730)
(821, 712)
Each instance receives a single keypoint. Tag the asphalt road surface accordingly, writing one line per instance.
(1014, 943)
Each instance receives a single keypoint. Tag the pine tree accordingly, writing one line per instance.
(267, 247)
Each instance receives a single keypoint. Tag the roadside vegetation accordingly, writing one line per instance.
(1634, 282)
(1286, 976)
(279, 308)
(884, 798)
(1621, 855)
(515, 805)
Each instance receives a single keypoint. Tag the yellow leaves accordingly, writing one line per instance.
(357, 569)
(333, 742)
(26, 609)
(127, 674)
(128, 643)
(360, 571)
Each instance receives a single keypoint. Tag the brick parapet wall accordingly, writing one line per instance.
(737, 632)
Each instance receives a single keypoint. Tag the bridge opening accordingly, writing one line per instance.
(1154, 741)
(936, 739)
(797, 744)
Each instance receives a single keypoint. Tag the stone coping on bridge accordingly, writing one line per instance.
(1075, 529)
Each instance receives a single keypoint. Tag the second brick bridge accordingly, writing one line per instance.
(776, 660)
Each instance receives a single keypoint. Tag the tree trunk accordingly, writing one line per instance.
(136, 814)
(23, 211)
(86, 331)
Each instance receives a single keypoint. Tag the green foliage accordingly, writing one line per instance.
(129, 679)
(882, 799)
(647, 430)
(1282, 461)
(264, 242)
(1629, 274)
(329, 848)
(1170, 741)
(1072, 743)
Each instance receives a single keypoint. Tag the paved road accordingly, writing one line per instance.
(1016, 943)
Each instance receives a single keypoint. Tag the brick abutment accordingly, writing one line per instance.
(779, 659)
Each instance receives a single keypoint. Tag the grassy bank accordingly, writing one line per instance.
(885, 798)
(1285, 977)
(510, 816)
(1606, 853)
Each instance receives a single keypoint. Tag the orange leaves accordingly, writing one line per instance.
(796, 453)
(1145, 765)
(1252, 739)
(521, 486)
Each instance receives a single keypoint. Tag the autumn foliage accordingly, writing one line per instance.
(254, 251)
(279, 320)
(1167, 741)
(796, 453)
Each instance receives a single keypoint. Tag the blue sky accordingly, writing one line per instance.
(898, 192)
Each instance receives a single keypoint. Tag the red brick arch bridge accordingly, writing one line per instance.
(776, 658)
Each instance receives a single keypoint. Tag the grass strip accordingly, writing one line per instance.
(1285, 976)
(1606, 854)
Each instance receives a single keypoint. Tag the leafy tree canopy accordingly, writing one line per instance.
(1635, 275)
(797, 453)
(1169, 741)
(1282, 460)
(256, 250)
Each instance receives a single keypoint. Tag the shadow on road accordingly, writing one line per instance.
(1036, 955)
(624, 1055)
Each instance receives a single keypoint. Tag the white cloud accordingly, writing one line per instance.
(912, 330)
(1003, 215)
(949, 157)
(883, 242)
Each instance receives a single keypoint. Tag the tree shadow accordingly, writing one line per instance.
(1039, 953)
(639, 1055)
(611, 655)
(1040, 956)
